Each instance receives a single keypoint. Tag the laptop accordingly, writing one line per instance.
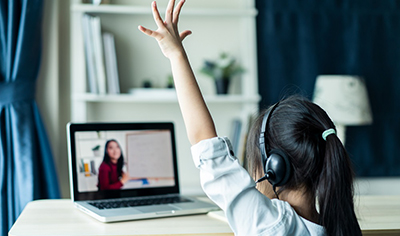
(139, 181)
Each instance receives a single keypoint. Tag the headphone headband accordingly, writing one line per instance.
(264, 126)
(277, 168)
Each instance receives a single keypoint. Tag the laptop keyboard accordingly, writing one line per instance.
(108, 204)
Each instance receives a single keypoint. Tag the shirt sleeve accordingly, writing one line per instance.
(230, 186)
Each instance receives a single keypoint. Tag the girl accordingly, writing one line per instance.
(293, 145)
(111, 175)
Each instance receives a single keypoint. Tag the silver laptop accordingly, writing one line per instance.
(127, 171)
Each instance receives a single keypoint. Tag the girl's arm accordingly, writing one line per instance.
(197, 118)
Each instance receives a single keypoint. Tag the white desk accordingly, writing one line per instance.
(378, 215)
(60, 217)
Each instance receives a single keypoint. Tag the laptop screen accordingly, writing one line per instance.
(112, 160)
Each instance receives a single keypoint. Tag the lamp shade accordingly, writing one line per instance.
(344, 98)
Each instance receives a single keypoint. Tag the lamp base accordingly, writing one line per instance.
(341, 132)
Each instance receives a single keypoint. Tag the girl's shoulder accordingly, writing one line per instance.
(104, 167)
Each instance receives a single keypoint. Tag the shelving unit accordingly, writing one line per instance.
(115, 9)
(129, 98)
(222, 26)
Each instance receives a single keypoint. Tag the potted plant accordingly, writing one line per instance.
(96, 150)
(222, 71)
(170, 81)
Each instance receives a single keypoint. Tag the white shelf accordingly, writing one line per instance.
(130, 98)
(223, 25)
(126, 9)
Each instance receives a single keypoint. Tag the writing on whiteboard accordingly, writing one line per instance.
(149, 154)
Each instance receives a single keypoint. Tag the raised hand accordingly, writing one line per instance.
(167, 34)
(198, 121)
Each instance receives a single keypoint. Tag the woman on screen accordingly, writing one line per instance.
(111, 175)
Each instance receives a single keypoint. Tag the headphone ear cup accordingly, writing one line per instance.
(278, 167)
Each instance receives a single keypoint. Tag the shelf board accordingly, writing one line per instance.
(140, 10)
(130, 98)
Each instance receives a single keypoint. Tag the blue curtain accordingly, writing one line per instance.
(300, 39)
(27, 170)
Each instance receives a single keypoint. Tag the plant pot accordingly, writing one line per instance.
(222, 86)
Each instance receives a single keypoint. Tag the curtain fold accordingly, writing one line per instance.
(299, 40)
(27, 170)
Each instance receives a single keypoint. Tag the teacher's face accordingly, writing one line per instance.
(113, 151)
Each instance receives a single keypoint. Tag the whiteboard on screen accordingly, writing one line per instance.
(149, 154)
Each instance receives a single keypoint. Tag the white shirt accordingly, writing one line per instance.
(248, 211)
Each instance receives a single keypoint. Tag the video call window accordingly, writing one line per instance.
(145, 159)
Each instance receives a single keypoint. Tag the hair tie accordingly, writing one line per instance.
(328, 132)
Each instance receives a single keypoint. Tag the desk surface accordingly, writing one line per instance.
(378, 215)
(60, 217)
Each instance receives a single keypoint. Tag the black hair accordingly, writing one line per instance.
(322, 168)
(106, 158)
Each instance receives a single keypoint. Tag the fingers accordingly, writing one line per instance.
(184, 34)
(145, 30)
(177, 11)
(156, 15)
(171, 21)
(169, 11)
(148, 31)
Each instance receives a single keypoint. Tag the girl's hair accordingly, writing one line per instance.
(106, 158)
(322, 168)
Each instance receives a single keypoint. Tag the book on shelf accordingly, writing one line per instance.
(101, 59)
(240, 130)
(89, 54)
(98, 53)
(111, 63)
(93, 168)
(235, 136)
(246, 130)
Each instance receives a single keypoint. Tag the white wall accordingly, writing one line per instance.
(53, 89)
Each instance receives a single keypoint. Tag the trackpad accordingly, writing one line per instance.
(148, 209)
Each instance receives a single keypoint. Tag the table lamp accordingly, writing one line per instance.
(345, 99)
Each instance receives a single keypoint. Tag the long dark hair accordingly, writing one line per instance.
(322, 168)
(106, 158)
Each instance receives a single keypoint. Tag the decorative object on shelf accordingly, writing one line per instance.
(147, 84)
(345, 99)
(96, 150)
(222, 71)
(170, 81)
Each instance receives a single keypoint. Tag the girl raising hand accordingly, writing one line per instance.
(293, 145)
(198, 122)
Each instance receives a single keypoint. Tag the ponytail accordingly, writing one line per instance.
(335, 191)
